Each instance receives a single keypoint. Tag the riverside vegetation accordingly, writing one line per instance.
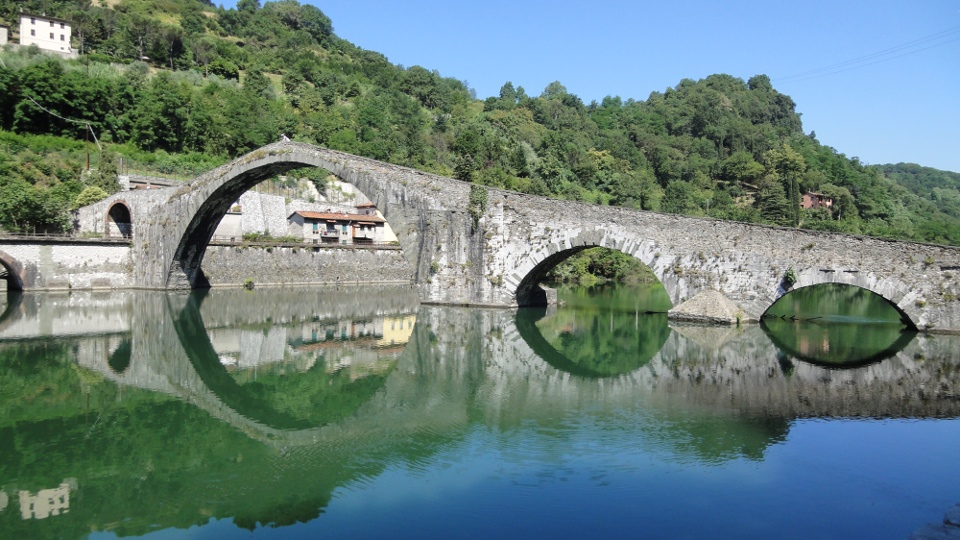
(181, 86)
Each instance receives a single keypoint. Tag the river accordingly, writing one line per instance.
(360, 413)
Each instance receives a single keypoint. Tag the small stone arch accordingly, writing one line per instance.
(118, 220)
(536, 266)
(12, 271)
(896, 294)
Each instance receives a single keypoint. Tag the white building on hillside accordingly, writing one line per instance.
(47, 33)
(4, 34)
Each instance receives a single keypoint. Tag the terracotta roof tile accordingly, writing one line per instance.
(339, 216)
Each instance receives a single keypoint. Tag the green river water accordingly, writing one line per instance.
(360, 413)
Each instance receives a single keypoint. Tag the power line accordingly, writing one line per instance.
(87, 124)
(911, 47)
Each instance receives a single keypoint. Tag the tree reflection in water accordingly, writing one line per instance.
(600, 330)
(139, 419)
(593, 343)
(837, 326)
(299, 390)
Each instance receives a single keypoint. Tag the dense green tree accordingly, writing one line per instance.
(741, 168)
(772, 201)
(788, 166)
(195, 78)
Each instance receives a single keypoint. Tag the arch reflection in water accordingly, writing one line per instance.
(592, 344)
(297, 367)
(837, 326)
(11, 307)
(123, 411)
(837, 345)
(598, 331)
(119, 359)
(152, 447)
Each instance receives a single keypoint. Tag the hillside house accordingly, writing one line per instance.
(4, 34)
(47, 33)
(816, 200)
(336, 227)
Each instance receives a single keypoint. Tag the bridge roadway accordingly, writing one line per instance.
(496, 253)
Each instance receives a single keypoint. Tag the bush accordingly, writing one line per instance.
(89, 196)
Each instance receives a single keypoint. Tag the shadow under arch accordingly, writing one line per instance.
(529, 291)
(526, 321)
(195, 340)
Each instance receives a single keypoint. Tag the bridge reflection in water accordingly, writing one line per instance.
(168, 409)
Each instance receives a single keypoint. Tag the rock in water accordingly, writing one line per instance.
(710, 307)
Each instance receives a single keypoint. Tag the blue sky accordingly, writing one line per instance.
(876, 79)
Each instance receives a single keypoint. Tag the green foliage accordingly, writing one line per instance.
(89, 195)
(601, 264)
(478, 203)
(182, 78)
(594, 333)
(268, 238)
(789, 278)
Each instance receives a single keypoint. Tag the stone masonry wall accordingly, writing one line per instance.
(93, 265)
(72, 265)
(233, 265)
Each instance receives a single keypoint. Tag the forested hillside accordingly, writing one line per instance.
(181, 84)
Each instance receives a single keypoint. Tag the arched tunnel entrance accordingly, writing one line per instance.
(119, 221)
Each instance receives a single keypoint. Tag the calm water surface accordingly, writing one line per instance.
(360, 413)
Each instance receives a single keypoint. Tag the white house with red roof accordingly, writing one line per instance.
(336, 227)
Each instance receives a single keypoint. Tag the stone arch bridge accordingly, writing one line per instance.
(495, 250)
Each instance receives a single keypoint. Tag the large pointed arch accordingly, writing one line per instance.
(184, 225)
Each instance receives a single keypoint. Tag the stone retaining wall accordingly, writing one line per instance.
(234, 265)
(69, 265)
(102, 265)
